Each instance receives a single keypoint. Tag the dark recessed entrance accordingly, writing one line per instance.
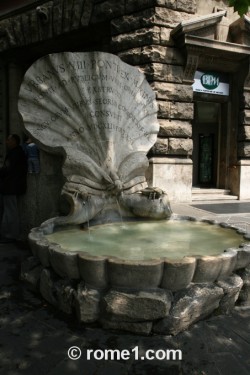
(206, 159)
(210, 144)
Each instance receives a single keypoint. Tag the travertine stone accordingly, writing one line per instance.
(64, 263)
(243, 172)
(142, 37)
(89, 71)
(176, 110)
(244, 133)
(132, 22)
(160, 147)
(166, 37)
(188, 6)
(168, 17)
(64, 293)
(175, 129)
(163, 72)
(93, 270)
(143, 206)
(33, 238)
(246, 99)
(145, 274)
(153, 53)
(207, 269)
(244, 149)
(231, 287)
(244, 297)
(173, 174)
(29, 20)
(87, 303)
(135, 5)
(245, 117)
(137, 38)
(18, 32)
(81, 13)
(107, 10)
(243, 258)
(57, 17)
(158, 16)
(173, 92)
(43, 253)
(105, 131)
(43, 22)
(39, 246)
(180, 146)
(136, 306)
(229, 259)
(189, 305)
(8, 39)
(178, 274)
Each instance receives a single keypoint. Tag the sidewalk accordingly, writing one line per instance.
(35, 338)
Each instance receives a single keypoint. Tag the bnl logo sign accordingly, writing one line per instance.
(210, 81)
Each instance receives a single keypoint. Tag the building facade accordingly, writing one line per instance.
(195, 55)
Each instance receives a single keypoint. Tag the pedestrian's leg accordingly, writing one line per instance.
(10, 220)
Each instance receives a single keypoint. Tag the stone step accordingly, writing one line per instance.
(213, 197)
(210, 191)
(211, 194)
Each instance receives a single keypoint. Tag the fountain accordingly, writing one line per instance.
(101, 114)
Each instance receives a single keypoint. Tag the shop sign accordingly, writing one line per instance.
(211, 83)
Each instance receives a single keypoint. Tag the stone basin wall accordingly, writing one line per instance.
(158, 296)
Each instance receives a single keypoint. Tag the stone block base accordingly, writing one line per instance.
(143, 310)
(173, 175)
(244, 176)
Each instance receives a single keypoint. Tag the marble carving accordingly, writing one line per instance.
(102, 115)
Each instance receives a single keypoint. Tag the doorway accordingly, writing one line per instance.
(210, 145)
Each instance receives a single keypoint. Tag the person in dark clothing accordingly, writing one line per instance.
(13, 182)
(32, 153)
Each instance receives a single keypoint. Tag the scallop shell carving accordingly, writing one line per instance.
(97, 110)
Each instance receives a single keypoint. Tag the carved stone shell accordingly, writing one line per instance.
(97, 110)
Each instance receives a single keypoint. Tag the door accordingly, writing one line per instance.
(206, 142)
(206, 162)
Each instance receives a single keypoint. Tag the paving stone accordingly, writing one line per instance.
(34, 337)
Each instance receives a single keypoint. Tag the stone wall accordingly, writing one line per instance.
(244, 129)
(139, 35)
(144, 310)
(244, 140)
(139, 32)
(142, 38)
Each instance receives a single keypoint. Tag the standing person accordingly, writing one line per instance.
(32, 152)
(13, 176)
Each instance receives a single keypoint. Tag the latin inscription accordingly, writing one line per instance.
(93, 90)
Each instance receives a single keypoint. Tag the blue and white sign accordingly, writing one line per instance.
(211, 83)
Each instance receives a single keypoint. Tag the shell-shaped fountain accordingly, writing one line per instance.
(101, 114)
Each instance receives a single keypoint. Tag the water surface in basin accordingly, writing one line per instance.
(149, 240)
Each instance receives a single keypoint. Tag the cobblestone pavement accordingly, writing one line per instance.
(35, 338)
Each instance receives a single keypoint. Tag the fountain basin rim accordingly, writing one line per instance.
(101, 271)
(38, 235)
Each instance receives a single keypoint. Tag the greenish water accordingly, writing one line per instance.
(149, 240)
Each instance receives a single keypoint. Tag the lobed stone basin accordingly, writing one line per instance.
(168, 268)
